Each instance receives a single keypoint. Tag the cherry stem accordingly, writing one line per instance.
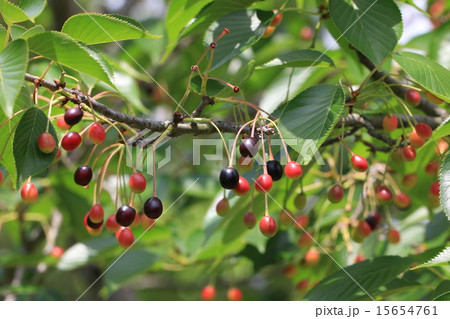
(50, 111)
(233, 99)
(281, 137)
(375, 69)
(342, 141)
(222, 81)
(263, 153)
(103, 151)
(104, 167)
(230, 160)
(154, 170)
(266, 201)
(270, 148)
(254, 123)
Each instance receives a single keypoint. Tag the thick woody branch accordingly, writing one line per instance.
(196, 128)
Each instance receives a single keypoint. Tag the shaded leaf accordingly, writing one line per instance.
(299, 59)
(431, 75)
(368, 25)
(370, 275)
(66, 51)
(93, 28)
(306, 120)
(13, 64)
(29, 159)
(442, 292)
(445, 185)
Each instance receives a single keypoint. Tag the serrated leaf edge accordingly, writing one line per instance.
(436, 260)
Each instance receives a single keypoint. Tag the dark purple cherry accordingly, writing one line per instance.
(274, 169)
(125, 215)
(93, 225)
(83, 175)
(73, 115)
(153, 207)
(229, 178)
(249, 147)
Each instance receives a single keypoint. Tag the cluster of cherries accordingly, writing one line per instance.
(209, 293)
(93, 221)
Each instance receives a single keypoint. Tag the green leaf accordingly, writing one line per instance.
(11, 13)
(246, 28)
(411, 3)
(445, 185)
(2, 36)
(6, 143)
(431, 75)
(368, 25)
(179, 13)
(443, 258)
(370, 274)
(299, 59)
(66, 51)
(19, 32)
(29, 159)
(239, 79)
(213, 12)
(307, 119)
(129, 265)
(32, 8)
(94, 28)
(13, 64)
(442, 292)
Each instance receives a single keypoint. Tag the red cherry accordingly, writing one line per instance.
(96, 214)
(111, 224)
(268, 226)
(432, 168)
(301, 222)
(136, 222)
(390, 123)
(359, 163)
(410, 180)
(234, 294)
(415, 140)
(57, 252)
(413, 96)
(335, 193)
(222, 207)
(402, 200)
(302, 285)
(97, 133)
(46, 143)
(125, 237)
(384, 195)
(305, 240)
(62, 124)
(277, 20)
(409, 153)
(441, 148)
(433, 98)
(29, 193)
(393, 236)
(208, 293)
(269, 31)
(361, 231)
(146, 222)
(293, 170)
(286, 217)
(1, 177)
(263, 183)
(359, 259)
(434, 188)
(312, 257)
(58, 156)
(306, 33)
(290, 271)
(242, 188)
(94, 229)
(373, 220)
(249, 220)
(424, 131)
(71, 141)
(137, 183)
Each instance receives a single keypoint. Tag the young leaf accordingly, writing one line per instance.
(29, 159)
(443, 258)
(445, 185)
(307, 119)
(94, 28)
(299, 59)
(431, 75)
(13, 64)
(66, 51)
(370, 275)
(11, 13)
(246, 28)
(32, 8)
(369, 25)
